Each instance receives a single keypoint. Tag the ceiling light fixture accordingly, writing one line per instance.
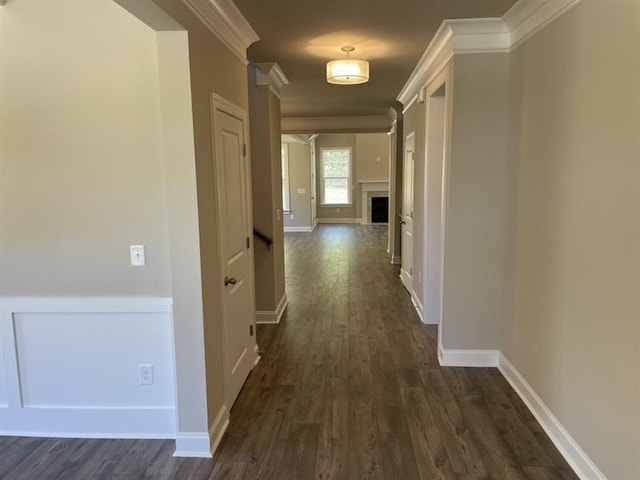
(347, 71)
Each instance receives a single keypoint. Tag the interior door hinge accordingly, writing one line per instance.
(248, 243)
(251, 330)
(244, 149)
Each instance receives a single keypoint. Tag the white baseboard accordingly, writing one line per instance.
(396, 260)
(272, 317)
(404, 278)
(190, 444)
(583, 466)
(257, 355)
(357, 221)
(467, 358)
(298, 229)
(568, 447)
(201, 444)
(417, 305)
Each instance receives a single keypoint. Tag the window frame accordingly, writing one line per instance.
(349, 179)
(286, 180)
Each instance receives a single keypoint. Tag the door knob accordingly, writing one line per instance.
(229, 281)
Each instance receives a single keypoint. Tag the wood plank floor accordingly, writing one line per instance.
(348, 387)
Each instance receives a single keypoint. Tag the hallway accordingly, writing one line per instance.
(349, 388)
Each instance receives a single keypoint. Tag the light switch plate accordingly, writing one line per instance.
(137, 255)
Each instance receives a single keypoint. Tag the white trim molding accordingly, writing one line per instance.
(270, 74)
(203, 444)
(298, 229)
(417, 305)
(356, 221)
(396, 260)
(467, 358)
(226, 22)
(527, 17)
(480, 35)
(562, 439)
(346, 124)
(273, 317)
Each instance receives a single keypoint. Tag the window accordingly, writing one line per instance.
(335, 186)
(286, 197)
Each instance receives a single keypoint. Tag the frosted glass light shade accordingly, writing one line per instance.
(347, 71)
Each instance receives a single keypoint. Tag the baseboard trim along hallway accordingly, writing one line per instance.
(273, 317)
(584, 467)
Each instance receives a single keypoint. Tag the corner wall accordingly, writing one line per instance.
(266, 172)
(575, 331)
(475, 264)
(299, 186)
(81, 178)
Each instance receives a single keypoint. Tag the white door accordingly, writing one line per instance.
(235, 246)
(406, 271)
(312, 147)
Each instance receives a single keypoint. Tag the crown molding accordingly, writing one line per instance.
(346, 124)
(270, 74)
(527, 17)
(225, 21)
(288, 138)
(481, 35)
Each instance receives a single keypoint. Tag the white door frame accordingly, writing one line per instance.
(442, 78)
(407, 277)
(224, 105)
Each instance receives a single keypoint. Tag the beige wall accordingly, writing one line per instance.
(81, 161)
(432, 274)
(266, 171)
(475, 262)
(276, 193)
(214, 69)
(372, 162)
(372, 159)
(576, 151)
(299, 178)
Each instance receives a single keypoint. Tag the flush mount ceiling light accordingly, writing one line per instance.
(347, 71)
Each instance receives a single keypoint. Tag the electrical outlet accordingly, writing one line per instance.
(145, 374)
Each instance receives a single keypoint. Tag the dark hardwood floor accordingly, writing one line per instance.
(348, 387)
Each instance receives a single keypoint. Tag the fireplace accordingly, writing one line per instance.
(379, 209)
(371, 191)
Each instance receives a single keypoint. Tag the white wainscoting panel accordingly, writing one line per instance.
(71, 367)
